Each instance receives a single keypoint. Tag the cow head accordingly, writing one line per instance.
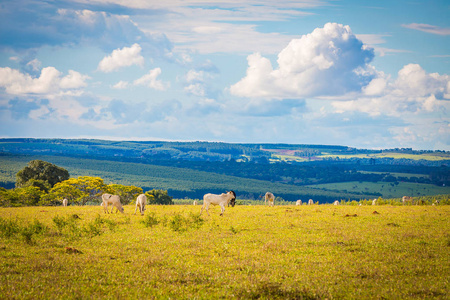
(233, 200)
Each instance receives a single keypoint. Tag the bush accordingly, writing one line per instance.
(150, 220)
(181, 223)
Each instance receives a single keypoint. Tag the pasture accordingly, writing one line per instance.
(252, 252)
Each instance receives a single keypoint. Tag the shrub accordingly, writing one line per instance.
(150, 220)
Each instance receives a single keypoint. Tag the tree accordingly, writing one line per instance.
(43, 173)
(78, 190)
(158, 197)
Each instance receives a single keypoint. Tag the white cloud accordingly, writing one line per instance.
(120, 85)
(328, 61)
(414, 81)
(150, 80)
(196, 89)
(414, 91)
(35, 64)
(428, 28)
(49, 81)
(120, 58)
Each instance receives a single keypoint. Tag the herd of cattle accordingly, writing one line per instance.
(224, 199)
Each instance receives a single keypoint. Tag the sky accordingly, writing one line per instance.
(364, 74)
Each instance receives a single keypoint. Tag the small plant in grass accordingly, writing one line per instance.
(178, 223)
(150, 220)
(181, 223)
(60, 223)
(9, 227)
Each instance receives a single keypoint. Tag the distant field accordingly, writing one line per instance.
(387, 189)
(252, 252)
(407, 175)
(425, 156)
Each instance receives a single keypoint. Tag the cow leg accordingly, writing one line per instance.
(222, 208)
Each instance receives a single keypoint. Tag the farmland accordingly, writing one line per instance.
(253, 252)
(386, 189)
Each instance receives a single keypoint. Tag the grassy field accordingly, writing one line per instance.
(387, 189)
(253, 252)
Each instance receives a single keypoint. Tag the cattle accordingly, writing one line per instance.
(336, 202)
(310, 202)
(141, 201)
(374, 202)
(195, 202)
(221, 200)
(113, 200)
(298, 202)
(65, 202)
(407, 199)
(269, 198)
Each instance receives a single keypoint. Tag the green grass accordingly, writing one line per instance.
(387, 189)
(253, 252)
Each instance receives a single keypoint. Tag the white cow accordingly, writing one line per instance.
(310, 202)
(406, 199)
(195, 202)
(141, 201)
(65, 202)
(299, 202)
(336, 202)
(113, 200)
(270, 198)
(221, 200)
(374, 202)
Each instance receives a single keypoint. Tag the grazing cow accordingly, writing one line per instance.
(407, 199)
(310, 202)
(374, 202)
(299, 202)
(113, 200)
(270, 198)
(221, 200)
(195, 202)
(336, 202)
(65, 202)
(141, 201)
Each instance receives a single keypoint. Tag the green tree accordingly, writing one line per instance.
(43, 173)
(29, 195)
(77, 190)
(127, 193)
(8, 197)
(158, 197)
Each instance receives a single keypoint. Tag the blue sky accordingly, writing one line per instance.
(366, 74)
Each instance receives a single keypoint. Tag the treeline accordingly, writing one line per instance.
(151, 151)
(44, 183)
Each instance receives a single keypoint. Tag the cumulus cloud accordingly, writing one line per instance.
(150, 80)
(120, 58)
(414, 91)
(328, 61)
(49, 81)
(428, 28)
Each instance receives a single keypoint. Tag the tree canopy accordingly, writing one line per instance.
(41, 174)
